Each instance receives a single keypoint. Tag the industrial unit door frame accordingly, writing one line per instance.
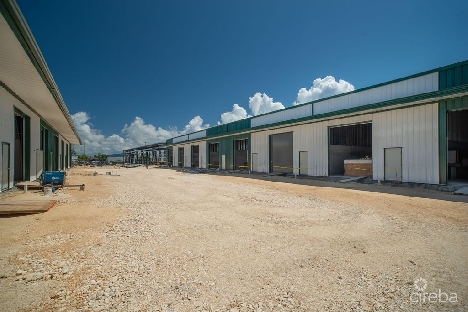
(348, 141)
(213, 153)
(281, 152)
(181, 157)
(5, 166)
(19, 148)
(241, 154)
(169, 157)
(195, 149)
(457, 144)
(393, 164)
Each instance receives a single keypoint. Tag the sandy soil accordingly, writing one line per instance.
(161, 240)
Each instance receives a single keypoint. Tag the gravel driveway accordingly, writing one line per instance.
(162, 240)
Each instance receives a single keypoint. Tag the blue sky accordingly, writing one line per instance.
(139, 71)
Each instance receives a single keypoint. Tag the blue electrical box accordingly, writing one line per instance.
(53, 177)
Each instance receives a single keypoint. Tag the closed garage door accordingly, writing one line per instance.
(281, 153)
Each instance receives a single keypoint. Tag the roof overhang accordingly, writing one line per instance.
(24, 72)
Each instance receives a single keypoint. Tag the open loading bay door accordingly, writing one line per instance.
(240, 154)
(281, 153)
(214, 155)
(350, 148)
(195, 156)
(457, 136)
(181, 157)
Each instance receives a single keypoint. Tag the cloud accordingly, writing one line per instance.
(196, 124)
(94, 140)
(237, 113)
(262, 103)
(132, 135)
(137, 133)
(322, 88)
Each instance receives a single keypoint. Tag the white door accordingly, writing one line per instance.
(303, 163)
(223, 162)
(393, 164)
(255, 162)
(5, 165)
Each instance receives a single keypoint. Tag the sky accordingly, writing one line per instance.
(140, 72)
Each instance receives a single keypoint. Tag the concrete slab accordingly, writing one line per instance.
(462, 191)
(352, 179)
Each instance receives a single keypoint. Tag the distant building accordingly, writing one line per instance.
(146, 154)
(37, 130)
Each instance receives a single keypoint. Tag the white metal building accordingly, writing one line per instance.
(36, 129)
(411, 129)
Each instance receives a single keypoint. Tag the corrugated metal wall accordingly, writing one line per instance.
(453, 77)
(180, 139)
(404, 88)
(286, 114)
(216, 130)
(175, 155)
(197, 135)
(238, 125)
(202, 153)
(187, 155)
(414, 129)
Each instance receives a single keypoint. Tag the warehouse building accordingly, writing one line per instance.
(410, 130)
(146, 154)
(36, 129)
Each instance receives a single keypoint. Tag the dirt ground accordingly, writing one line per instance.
(161, 240)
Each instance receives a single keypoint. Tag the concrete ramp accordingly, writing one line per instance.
(351, 179)
(25, 206)
(462, 191)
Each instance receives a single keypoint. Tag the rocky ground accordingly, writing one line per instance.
(161, 240)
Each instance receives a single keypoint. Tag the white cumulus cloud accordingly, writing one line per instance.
(262, 103)
(322, 88)
(237, 113)
(196, 124)
(132, 135)
(138, 132)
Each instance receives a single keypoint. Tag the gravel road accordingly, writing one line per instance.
(161, 240)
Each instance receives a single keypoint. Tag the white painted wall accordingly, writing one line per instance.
(202, 154)
(414, 129)
(187, 155)
(175, 156)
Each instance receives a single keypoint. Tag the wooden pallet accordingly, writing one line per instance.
(25, 206)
